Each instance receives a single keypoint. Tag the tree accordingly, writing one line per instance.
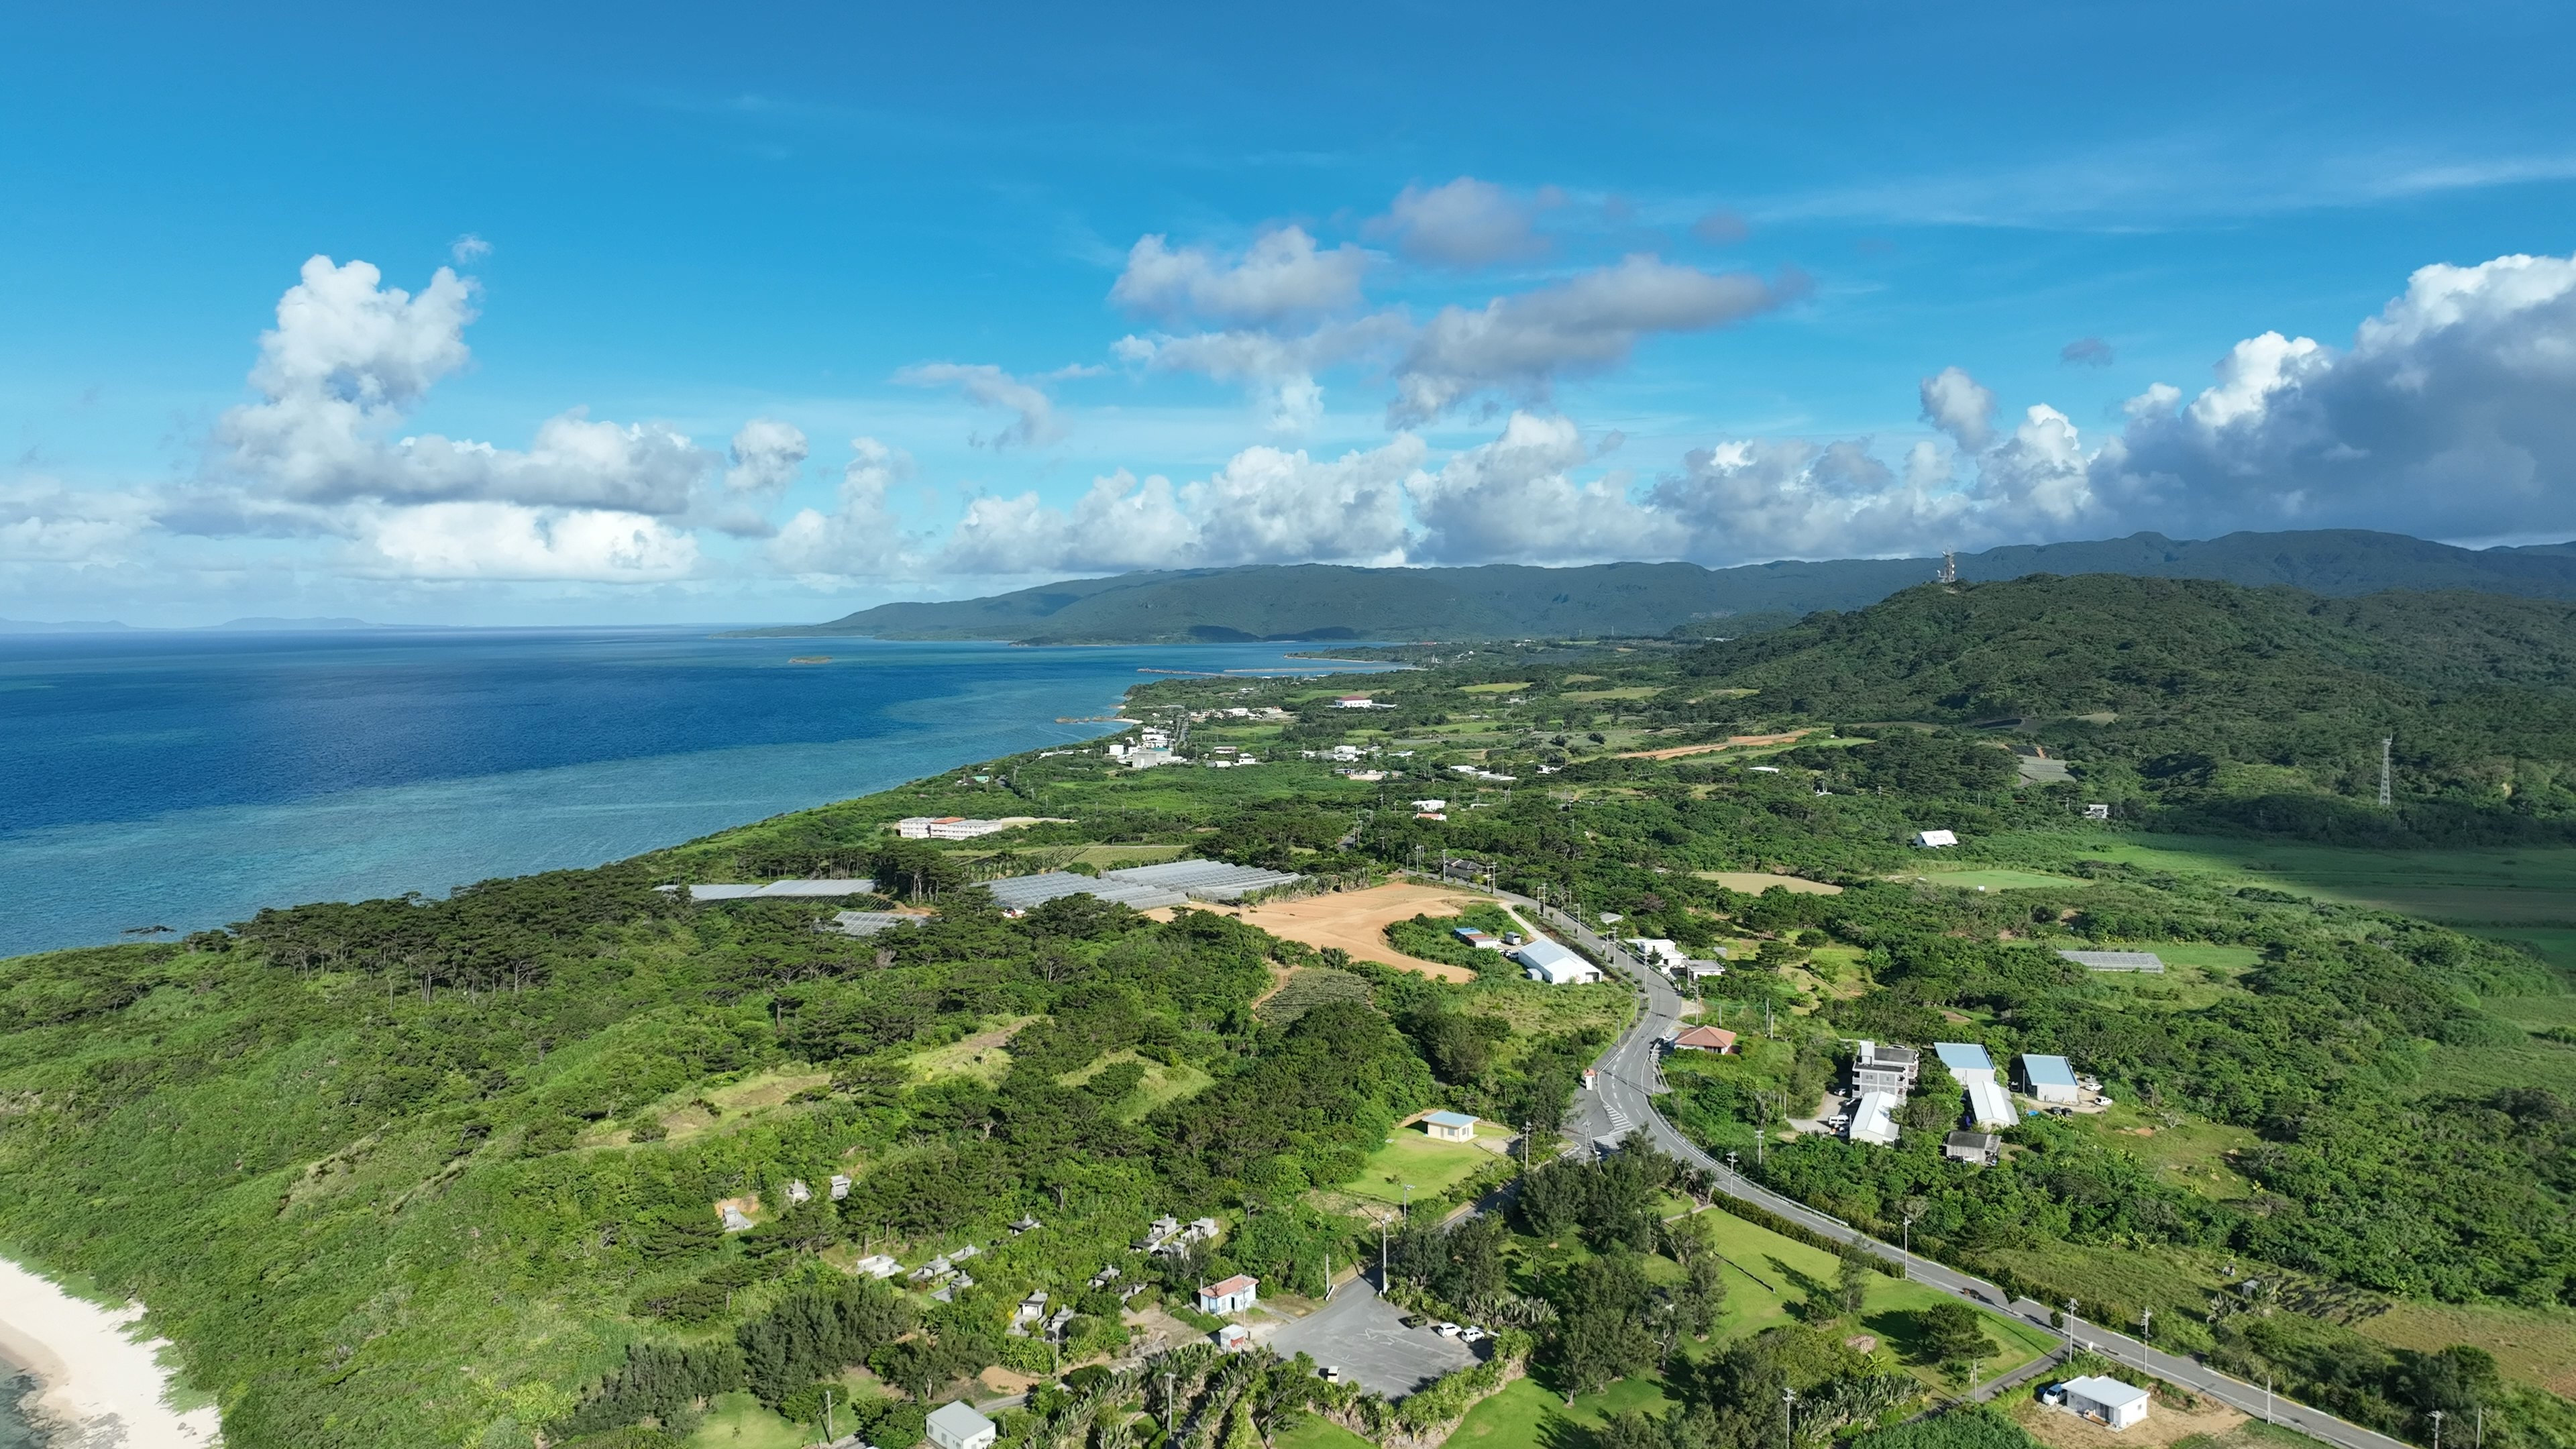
(1950, 1333)
(1598, 1349)
(1851, 1280)
(1701, 1295)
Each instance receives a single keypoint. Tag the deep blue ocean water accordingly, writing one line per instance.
(188, 779)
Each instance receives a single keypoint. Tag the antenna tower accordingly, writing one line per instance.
(1949, 566)
(2386, 741)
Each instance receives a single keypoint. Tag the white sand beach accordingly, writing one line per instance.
(102, 1388)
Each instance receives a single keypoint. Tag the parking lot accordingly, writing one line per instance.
(1366, 1339)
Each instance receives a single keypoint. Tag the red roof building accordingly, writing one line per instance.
(1706, 1039)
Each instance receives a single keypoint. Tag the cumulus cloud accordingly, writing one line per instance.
(2451, 415)
(41, 521)
(1278, 371)
(1958, 405)
(468, 249)
(1515, 500)
(1034, 423)
(1283, 275)
(764, 460)
(510, 541)
(2087, 352)
(1461, 223)
(861, 537)
(1519, 345)
(350, 358)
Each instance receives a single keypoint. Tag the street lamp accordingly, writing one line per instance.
(2437, 1429)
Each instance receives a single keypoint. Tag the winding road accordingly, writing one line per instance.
(1630, 1076)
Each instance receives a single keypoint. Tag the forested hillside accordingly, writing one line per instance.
(455, 1171)
(1506, 601)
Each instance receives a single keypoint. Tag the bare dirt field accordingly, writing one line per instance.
(1356, 921)
(1755, 882)
(1675, 752)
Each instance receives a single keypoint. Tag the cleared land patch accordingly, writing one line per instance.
(979, 1056)
(1356, 921)
(1755, 882)
(1996, 878)
(1412, 1156)
(2532, 1345)
(1675, 752)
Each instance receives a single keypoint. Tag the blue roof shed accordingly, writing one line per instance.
(1963, 1056)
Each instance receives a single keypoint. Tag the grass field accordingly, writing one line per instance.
(737, 1421)
(2523, 886)
(1996, 878)
(1432, 1167)
(1311, 1432)
(2537, 1346)
(1162, 1083)
(2479, 1070)
(1773, 1273)
(1525, 1415)
(2193, 1155)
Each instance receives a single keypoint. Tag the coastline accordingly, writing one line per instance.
(99, 1385)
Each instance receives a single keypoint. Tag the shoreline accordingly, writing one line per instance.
(98, 1384)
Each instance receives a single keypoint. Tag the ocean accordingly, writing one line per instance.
(186, 779)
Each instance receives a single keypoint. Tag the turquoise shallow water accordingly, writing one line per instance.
(187, 780)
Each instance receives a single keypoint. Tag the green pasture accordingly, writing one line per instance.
(737, 1421)
(2503, 886)
(1314, 1432)
(1526, 1415)
(1412, 1156)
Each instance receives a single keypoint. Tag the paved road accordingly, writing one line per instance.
(1630, 1077)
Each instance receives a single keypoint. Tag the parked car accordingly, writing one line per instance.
(1473, 1335)
(1449, 1330)
(1332, 1373)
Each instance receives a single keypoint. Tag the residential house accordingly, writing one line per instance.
(1233, 1295)
(1934, 839)
(1880, 1068)
(1706, 1039)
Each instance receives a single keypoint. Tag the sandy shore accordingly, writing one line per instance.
(102, 1388)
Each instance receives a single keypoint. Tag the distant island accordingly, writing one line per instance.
(1319, 603)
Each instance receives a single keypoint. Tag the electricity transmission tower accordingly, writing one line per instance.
(2385, 743)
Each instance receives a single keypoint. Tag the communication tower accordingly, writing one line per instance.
(1949, 566)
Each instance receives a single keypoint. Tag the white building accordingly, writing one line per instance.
(1450, 1126)
(945, 827)
(958, 1426)
(1873, 1118)
(1656, 951)
(1935, 839)
(1553, 964)
(1989, 1105)
(2113, 1403)
(1356, 701)
(1234, 1295)
(2050, 1079)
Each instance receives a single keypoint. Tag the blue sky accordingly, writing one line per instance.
(781, 311)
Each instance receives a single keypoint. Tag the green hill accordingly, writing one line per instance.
(1506, 601)
(2265, 706)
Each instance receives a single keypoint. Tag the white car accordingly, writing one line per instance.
(1332, 1373)
(1473, 1335)
(1450, 1330)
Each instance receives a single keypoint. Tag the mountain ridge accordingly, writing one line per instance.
(1322, 602)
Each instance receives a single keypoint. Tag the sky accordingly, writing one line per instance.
(539, 314)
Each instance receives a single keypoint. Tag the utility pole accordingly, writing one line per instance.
(828, 1435)
(2146, 1325)
(2385, 744)
(1789, 1397)
(2070, 1325)
(2437, 1429)
(1167, 1406)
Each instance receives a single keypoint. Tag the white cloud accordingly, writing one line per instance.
(1462, 223)
(1267, 504)
(1520, 344)
(1119, 524)
(1281, 276)
(350, 357)
(486, 540)
(2452, 415)
(1035, 423)
(1277, 371)
(1514, 500)
(1959, 405)
(469, 249)
(765, 458)
(859, 539)
(41, 521)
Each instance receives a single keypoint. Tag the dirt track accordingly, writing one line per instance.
(1674, 752)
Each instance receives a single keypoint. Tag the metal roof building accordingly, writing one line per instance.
(1989, 1105)
(1547, 961)
(1026, 892)
(1962, 1056)
(777, 889)
(1205, 880)
(1874, 1119)
(2050, 1079)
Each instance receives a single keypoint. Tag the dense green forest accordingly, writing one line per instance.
(450, 1170)
(1512, 601)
